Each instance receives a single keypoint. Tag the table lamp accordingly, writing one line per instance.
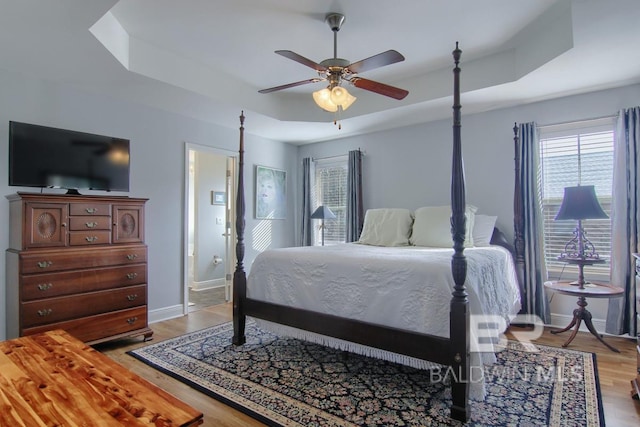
(322, 213)
(580, 203)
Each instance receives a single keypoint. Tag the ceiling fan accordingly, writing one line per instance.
(337, 70)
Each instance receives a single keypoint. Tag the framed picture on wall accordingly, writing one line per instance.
(218, 198)
(271, 193)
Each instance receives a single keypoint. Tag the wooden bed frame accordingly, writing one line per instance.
(452, 352)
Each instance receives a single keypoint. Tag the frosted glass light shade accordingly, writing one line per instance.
(323, 99)
(330, 100)
(341, 97)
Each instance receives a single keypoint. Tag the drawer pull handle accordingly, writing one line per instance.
(44, 264)
(132, 297)
(91, 239)
(132, 320)
(91, 224)
(45, 312)
(91, 210)
(132, 256)
(132, 275)
(45, 286)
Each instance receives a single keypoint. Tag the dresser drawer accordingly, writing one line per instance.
(93, 328)
(38, 286)
(90, 208)
(38, 312)
(89, 237)
(48, 261)
(79, 223)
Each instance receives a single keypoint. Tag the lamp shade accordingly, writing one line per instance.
(323, 100)
(331, 99)
(322, 212)
(580, 202)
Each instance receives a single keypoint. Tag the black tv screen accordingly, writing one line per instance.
(47, 157)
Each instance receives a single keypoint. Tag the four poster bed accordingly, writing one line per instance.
(450, 349)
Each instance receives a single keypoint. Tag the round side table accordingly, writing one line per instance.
(590, 290)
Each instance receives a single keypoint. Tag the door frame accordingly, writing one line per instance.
(231, 257)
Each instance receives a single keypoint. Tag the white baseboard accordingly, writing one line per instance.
(562, 321)
(166, 313)
(208, 284)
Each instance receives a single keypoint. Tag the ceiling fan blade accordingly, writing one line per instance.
(380, 88)
(287, 86)
(301, 59)
(379, 60)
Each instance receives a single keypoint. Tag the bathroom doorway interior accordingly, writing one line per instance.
(210, 189)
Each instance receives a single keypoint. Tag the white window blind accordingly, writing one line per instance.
(331, 191)
(569, 160)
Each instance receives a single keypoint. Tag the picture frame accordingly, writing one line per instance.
(271, 193)
(218, 198)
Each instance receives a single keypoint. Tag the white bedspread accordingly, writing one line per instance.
(404, 287)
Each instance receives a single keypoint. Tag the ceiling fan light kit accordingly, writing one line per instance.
(322, 98)
(336, 71)
(331, 100)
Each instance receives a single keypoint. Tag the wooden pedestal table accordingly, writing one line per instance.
(590, 290)
(54, 379)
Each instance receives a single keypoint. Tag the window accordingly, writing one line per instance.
(331, 191)
(569, 157)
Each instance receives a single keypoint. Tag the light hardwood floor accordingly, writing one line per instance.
(615, 369)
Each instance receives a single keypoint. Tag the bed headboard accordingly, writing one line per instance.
(498, 238)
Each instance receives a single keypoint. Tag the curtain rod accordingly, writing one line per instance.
(612, 116)
(336, 156)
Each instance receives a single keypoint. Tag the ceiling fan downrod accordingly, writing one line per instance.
(335, 21)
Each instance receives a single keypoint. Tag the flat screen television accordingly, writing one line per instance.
(47, 157)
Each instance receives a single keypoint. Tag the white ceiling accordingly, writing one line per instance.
(207, 59)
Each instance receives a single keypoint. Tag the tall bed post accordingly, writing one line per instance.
(459, 313)
(518, 213)
(239, 276)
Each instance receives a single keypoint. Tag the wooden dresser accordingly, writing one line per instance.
(77, 263)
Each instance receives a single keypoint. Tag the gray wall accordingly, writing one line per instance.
(411, 167)
(157, 172)
(406, 167)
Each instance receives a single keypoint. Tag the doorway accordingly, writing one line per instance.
(208, 239)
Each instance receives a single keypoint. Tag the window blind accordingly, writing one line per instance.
(585, 159)
(331, 191)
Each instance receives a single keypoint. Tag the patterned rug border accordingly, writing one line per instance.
(277, 420)
(232, 403)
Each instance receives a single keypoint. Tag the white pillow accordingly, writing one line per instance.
(483, 229)
(386, 227)
(432, 227)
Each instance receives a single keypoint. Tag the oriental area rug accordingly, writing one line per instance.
(288, 382)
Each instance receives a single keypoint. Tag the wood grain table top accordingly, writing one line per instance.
(53, 379)
(591, 290)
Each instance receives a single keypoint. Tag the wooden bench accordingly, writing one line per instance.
(54, 379)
